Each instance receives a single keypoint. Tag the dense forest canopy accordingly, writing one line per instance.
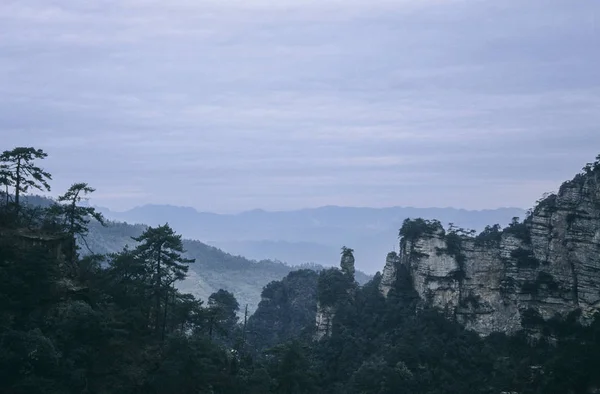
(72, 322)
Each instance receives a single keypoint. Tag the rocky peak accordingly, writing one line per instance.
(334, 286)
(504, 280)
(388, 278)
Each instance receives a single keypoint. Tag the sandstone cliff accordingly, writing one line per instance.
(334, 286)
(503, 280)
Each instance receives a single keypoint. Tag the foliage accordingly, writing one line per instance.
(377, 347)
(543, 280)
(589, 171)
(531, 318)
(347, 262)
(519, 229)
(454, 247)
(222, 315)
(491, 235)
(454, 239)
(413, 229)
(471, 300)
(287, 310)
(590, 168)
(77, 217)
(332, 286)
(547, 203)
(19, 171)
(161, 250)
(525, 258)
(95, 331)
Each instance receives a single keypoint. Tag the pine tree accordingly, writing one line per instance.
(162, 249)
(75, 218)
(21, 172)
(347, 262)
(5, 183)
(223, 308)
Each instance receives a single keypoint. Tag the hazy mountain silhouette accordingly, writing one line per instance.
(307, 235)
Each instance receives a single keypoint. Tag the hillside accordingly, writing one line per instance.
(214, 269)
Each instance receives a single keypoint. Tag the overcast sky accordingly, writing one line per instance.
(227, 105)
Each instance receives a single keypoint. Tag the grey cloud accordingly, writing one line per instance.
(243, 104)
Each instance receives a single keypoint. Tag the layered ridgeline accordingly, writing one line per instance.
(503, 280)
(72, 324)
(307, 235)
(214, 269)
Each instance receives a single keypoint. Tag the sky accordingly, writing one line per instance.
(230, 105)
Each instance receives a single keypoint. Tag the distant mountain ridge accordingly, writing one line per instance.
(307, 235)
(213, 269)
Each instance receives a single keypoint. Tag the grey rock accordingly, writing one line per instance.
(554, 269)
(389, 274)
(324, 319)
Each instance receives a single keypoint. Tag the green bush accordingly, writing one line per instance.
(519, 230)
(525, 258)
(413, 229)
(491, 235)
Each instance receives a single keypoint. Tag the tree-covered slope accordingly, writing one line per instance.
(72, 324)
(214, 269)
(286, 311)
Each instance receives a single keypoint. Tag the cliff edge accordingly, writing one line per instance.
(507, 279)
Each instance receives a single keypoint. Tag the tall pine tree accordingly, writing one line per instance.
(18, 166)
(163, 250)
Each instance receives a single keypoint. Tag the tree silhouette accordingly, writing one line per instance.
(21, 173)
(162, 250)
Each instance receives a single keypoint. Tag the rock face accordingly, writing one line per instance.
(388, 278)
(500, 279)
(324, 320)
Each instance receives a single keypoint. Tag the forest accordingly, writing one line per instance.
(75, 322)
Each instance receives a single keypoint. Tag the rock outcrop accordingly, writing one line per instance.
(324, 320)
(334, 286)
(502, 280)
(388, 278)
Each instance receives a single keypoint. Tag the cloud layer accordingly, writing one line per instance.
(231, 105)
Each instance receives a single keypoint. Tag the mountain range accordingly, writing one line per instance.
(302, 236)
(212, 270)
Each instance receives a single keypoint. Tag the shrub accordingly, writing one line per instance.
(332, 286)
(519, 230)
(471, 299)
(547, 202)
(543, 279)
(525, 258)
(491, 235)
(531, 318)
(413, 229)
(547, 279)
